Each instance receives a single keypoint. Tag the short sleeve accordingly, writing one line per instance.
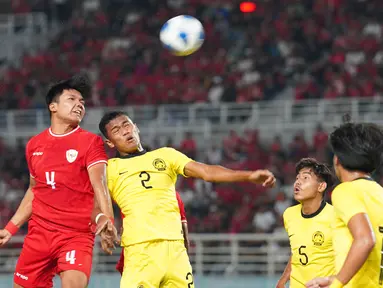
(28, 155)
(178, 160)
(285, 221)
(346, 202)
(181, 207)
(110, 174)
(96, 153)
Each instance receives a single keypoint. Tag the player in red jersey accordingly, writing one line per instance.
(67, 168)
(120, 263)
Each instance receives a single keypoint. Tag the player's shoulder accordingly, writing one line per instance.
(329, 210)
(88, 135)
(163, 152)
(112, 162)
(292, 212)
(344, 187)
(35, 140)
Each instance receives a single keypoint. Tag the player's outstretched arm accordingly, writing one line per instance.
(21, 216)
(285, 276)
(216, 173)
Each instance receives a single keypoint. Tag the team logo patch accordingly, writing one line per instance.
(318, 238)
(159, 164)
(71, 155)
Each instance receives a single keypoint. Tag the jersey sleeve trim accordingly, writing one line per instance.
(32, 176)
(96, 162)
(184, 221)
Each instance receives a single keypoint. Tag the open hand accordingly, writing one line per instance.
(320, 282)
(264, 177)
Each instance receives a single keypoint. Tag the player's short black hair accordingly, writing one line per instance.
(358, 146)
(78, 82)
(321, 170)
(107, 118)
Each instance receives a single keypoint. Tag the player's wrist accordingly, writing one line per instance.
(336, 283)
(99, 215)
(11, 228)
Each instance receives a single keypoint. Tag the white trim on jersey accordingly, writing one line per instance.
(94, 163)
(63, 135)
(184, 221)
(32, 176)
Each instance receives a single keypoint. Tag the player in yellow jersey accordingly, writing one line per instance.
(308, 225)
(143, 186)
(358, 203)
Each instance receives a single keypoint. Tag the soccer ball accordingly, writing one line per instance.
(182, 35)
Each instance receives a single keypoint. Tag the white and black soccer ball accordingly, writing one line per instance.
(182, 35)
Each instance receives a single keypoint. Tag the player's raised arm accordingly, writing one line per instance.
(21, 216)
(97, 175)
(216, 173)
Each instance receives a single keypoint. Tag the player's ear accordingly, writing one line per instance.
(53, 107)
(109, 143)
(322, 187)
(335, 160)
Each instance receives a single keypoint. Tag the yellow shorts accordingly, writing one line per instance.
(157, 264)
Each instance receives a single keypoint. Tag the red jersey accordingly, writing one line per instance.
(63, 194)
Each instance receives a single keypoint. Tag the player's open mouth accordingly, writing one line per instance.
(130, 139)
(78, 113)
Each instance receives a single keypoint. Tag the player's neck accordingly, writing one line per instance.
(139, 150)
(311, 206)
(348, 176)
(61, 128)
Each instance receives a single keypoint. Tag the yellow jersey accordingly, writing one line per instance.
(143, 186)
(310, 236)
(350, 198)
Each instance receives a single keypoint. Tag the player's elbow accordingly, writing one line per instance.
(368, 242)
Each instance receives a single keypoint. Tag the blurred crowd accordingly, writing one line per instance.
(323, 48)
(233, 208)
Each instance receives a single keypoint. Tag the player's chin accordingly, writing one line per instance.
(298, 197)
(75, 120)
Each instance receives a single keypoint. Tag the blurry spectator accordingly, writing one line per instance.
(216, 90)
(320, 138)
(281, 203)
(264, 220)
(214, 154)
(188, 146)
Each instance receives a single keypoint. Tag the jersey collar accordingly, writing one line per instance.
(316, 212)
(364, 178)
(131, 155)
(62, 135)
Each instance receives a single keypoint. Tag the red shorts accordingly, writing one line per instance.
(47, 252)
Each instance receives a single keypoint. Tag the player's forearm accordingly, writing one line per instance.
(216, 173)
(357, 256)
(104, 204)
(186, 234)
(286, 273)
(97, 175)
(24, 211)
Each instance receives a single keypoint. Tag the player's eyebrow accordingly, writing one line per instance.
(306, 172)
